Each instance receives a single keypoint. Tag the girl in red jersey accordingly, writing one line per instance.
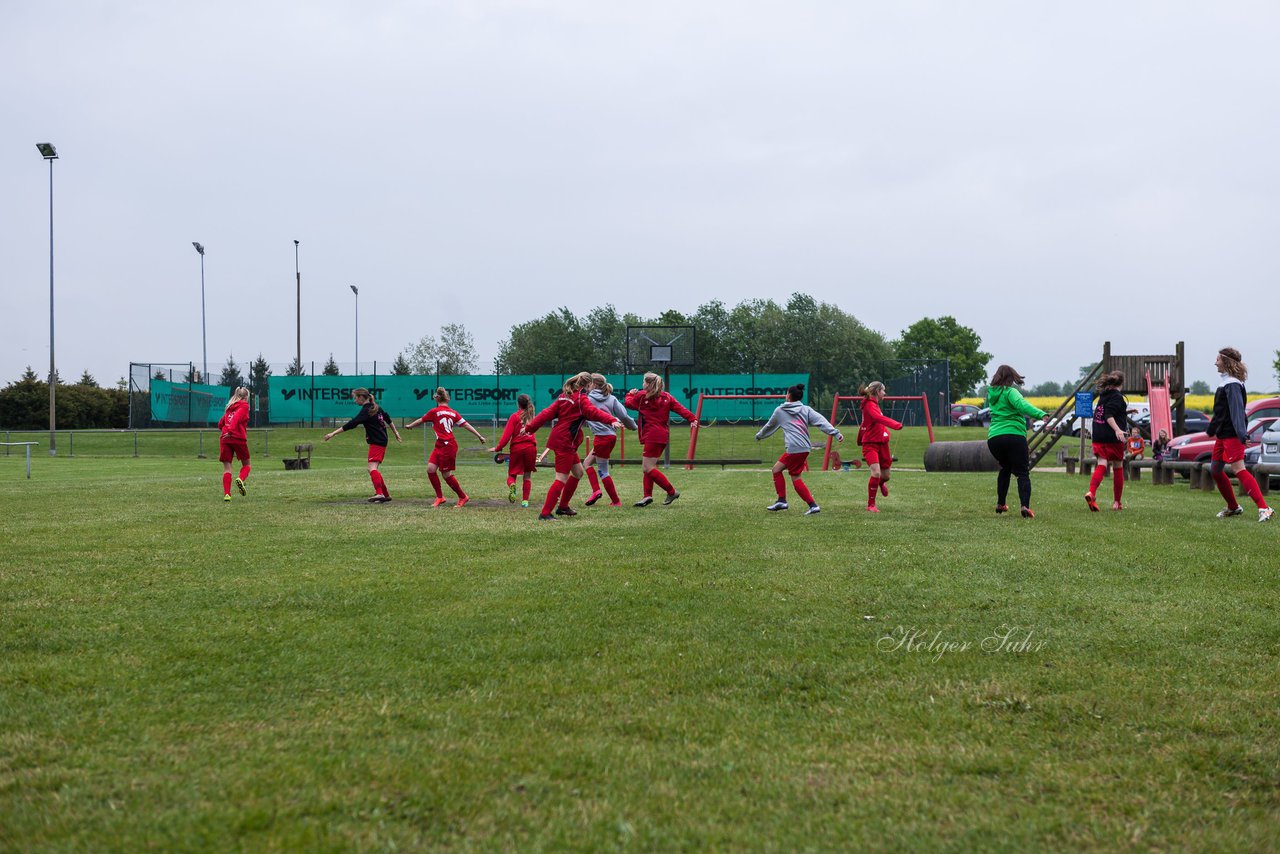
(235, 441)
(375, 421)
(873, 436)
(1110, 423)
(524, 446)
(570, 411)
(1228, 428)
(603, 439)
(654, 406)
(444, 457)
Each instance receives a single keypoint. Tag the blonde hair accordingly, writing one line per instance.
(1231, 359)
(652, 385)
(526, 408)
(871, 389)
(600, 382)
(364, 392)
(241, 393)
(442, 394)
(576, 382)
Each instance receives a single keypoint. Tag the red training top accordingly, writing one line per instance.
(570, 411)
(875, 425)
(443, 418)
(655, 415)
(517, 437)
(235, 421)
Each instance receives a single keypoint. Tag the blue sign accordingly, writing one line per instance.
(1084, 404)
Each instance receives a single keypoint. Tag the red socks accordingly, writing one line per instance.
(455, 486)
(1099, 472)
(570, 487)
(873, 486)
(802, 491)
(1117, 484)
(1250, 485)
(607, 482)
(780, 486)
(553, 495)
(511, 480)
(661, 479)
(379, 485)
(1224, 486)
(244, 472)
(648, 485)
(435, 483)
(528, 485)
(594, 480)
(226, 483)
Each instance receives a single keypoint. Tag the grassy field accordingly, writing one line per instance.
(300, 669)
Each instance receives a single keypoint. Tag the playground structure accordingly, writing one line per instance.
(1160, 377)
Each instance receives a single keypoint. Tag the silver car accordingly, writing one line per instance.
(1269, 450)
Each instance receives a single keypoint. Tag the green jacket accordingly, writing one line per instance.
(1009, 412)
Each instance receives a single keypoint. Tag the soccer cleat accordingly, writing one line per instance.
(546, 517)
(644, 502)
(595, 496)
(884, 488)
(813, 508)
(524, 503)
(462, 502)
(1116, 505)
(566, 511)
(438, 502)
(1091, 501)
(226, 497)
(240, 486)
(1230, 511)
(1265, 514)
(511, 496)
(871, 508)
(777, 505)
(1027, 514)
(1002, 508)
(380, 499)
(672, 497)
(375, 498)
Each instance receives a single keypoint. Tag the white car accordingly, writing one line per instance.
(1269, 449)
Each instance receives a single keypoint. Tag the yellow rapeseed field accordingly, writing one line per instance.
(1202, 402)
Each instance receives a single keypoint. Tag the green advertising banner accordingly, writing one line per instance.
(188, 403)
(486, 396)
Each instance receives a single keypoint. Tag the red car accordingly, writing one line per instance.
(1201, 450)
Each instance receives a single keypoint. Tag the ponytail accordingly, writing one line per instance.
(871, 389)
(364, 392)
(652, 385)
(442, 395)
(238, 395)
(526, 408)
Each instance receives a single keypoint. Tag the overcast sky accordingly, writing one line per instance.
(1053, 175)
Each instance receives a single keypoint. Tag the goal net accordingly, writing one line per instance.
(727, 425)
(846, 414)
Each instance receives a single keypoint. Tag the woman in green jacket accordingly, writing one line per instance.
(1007, 437)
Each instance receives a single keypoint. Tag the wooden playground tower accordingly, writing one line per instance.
(1160, 378)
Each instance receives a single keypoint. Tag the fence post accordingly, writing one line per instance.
(135, 443)
(71, 442)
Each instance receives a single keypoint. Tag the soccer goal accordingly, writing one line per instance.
(730, 422)
(846, 411)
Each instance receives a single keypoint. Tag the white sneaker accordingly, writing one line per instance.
(1226, 514)
(1265, 514)
(777, 505)
(813, 508)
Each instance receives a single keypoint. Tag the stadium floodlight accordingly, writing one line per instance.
(298, 273)
(356, 291)
(49, 153)
(204, 341)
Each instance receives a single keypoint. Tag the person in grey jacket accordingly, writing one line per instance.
(603, 439)
(795, 419)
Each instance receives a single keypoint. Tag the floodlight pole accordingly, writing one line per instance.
(356, 291)
(298, 273)
(48, 152)
(204, 341)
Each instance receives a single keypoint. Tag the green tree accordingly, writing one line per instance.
(160, 375)
(260, 388)
(554, 343)
(331, 368)
(1275, 366)
(422, 356)
(193, 376)
(86, 379)
(1049, 388)
(400, 367)
(945, 338)
(1200, 387)
(457, 350)
(295, 369)
(231, 376)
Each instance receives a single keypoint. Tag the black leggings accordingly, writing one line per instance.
(1011, 453)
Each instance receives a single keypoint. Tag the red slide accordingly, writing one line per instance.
(1158, 400)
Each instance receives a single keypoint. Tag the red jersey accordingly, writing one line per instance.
(235, 421)
(875, 425)
(655, 415)
(443, 418)
(570, 411)
(512, 433)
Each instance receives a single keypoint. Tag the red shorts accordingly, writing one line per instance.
(602, 446)
(237, 448)
(445, 457)
(795, 463)
(377, 453)
(566, 460)
(654, 449)
(877, 454)
(1109, 451)
(522, 460)
(1228, 450)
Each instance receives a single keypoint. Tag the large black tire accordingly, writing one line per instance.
(959, 456)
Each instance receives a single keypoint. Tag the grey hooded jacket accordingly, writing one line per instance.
(612, 405)
(795, 418)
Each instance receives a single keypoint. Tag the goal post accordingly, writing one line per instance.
(697, 416)
(854, 402)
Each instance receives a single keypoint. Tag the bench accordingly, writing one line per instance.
(299, 462)
(1086, 465)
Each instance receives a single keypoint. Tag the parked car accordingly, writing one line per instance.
(1201, 450)
(1267, 407)
(1268, 450)
(981, 418)
(959, 410)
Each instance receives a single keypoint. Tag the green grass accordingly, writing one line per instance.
(300, 669)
